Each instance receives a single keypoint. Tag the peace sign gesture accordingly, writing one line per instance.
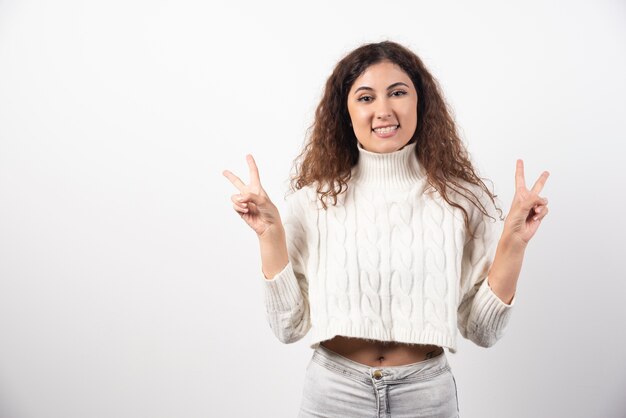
(528, 208)
(252, 203)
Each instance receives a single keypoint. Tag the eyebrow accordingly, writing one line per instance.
(399, 83)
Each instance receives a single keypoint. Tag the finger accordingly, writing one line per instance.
(236, 201)
(538, 208)
(540, 203)
(519, 175)
(254, 171)
(540, 182)
(251, 197)
(234, 180)
(540, 216)
(532, 202)
(240, 209)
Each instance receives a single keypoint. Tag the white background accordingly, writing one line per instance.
(129, 287)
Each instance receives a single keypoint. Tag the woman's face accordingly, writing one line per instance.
(382, 104)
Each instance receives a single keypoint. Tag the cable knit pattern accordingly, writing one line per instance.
(392, 261)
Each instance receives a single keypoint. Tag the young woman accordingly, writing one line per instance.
(390, 244)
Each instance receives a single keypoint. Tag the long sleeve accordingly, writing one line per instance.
(389, 260)
(286, 294)
(482, 315)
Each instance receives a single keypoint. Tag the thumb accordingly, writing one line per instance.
(524, 202)
(532, 203)
(251, 197)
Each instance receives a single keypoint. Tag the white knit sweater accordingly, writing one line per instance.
(392, 261)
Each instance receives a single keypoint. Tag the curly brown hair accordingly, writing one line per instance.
(331, 150)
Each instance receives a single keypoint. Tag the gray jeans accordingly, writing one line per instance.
(336, 386)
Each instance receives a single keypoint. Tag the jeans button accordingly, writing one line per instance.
(378, 374)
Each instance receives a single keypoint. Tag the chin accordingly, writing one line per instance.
(390, 147)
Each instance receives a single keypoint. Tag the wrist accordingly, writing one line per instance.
(273, 233)
(511, 243)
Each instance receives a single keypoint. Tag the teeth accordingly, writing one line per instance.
(386, 130)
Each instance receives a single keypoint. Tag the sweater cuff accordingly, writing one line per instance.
(282, 292)
(490, 312)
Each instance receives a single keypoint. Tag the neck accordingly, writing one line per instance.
(397, 169)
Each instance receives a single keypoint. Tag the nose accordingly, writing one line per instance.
(383, 111)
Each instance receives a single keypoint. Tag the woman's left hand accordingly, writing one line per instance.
(527, 209)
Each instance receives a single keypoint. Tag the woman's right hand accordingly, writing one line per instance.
(252, 203)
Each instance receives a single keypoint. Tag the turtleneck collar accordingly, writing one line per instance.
(398, 169)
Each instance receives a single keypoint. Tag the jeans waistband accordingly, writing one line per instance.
(421, 370)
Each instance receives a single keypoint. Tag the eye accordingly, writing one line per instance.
(365, 99)
(398, 93)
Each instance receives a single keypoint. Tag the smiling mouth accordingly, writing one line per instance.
(386, 129)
